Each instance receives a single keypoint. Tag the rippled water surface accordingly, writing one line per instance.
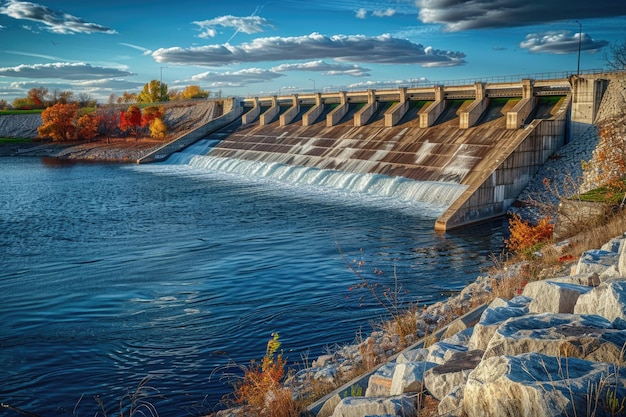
(111, 273)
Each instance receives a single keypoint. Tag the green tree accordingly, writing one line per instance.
(153, 92)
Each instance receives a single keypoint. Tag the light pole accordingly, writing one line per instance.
(161, 84)
(580, 35)
(311, 79)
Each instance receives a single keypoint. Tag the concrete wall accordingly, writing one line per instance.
(587, 94)
(492, 193)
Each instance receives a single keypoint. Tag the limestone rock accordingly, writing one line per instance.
(492, 317)
(535, 385)
(440, 351)
(412, 355)
(590, 279)
(596, 260)
(443, 379)
(379, 383)
(452, 404)
(409, 377)
(551, 296)
(621, 261)
(376, 406)
(614, 245)
(582, 336)
(607, 300)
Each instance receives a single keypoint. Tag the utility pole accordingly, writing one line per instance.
(580, 35)
(161, 84)
(311, 79)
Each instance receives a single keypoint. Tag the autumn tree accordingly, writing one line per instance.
(194, 92)
(158, 129)
(58, 122)
(37, 97)
(108, 118)
(127, 98)
(153, 92)
(130, 120)
(148, 114)
(87, 126)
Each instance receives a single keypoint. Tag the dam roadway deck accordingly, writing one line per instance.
(489, 138)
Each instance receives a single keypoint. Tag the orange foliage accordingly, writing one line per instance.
(525, 235)
(59, 122)
(148, 114)
(87, 126)
(260, 391)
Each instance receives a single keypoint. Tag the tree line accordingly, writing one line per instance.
(153, 91)
(69, 117)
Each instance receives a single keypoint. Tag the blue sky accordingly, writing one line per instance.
(243, 47)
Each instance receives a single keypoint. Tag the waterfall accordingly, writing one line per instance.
(398, 188)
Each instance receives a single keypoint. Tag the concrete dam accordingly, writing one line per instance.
(488, 138)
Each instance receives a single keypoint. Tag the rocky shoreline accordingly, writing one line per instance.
(554, 350)
(118, 150)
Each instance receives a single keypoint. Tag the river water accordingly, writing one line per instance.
(113, 273)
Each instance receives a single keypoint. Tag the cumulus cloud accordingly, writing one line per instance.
(478, 14)
(236, 78)
(383, 49)
(249, 24)
(63, 70)
(325, 68)
(54, 20)
(384, 13)
(361, 13)
(561, 42)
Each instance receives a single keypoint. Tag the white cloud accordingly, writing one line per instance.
(561, 42)
(383, 49)
(63, 70)
(384, 13)
(54, 20)
(361, 14)
(236, 78)
(477, 14)
(325, 68)
(249, 25)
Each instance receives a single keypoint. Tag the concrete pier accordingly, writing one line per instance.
(291, 113)
(362, 116)
(338, 112)
(397, 111)
(314, 113)
(429, 115)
